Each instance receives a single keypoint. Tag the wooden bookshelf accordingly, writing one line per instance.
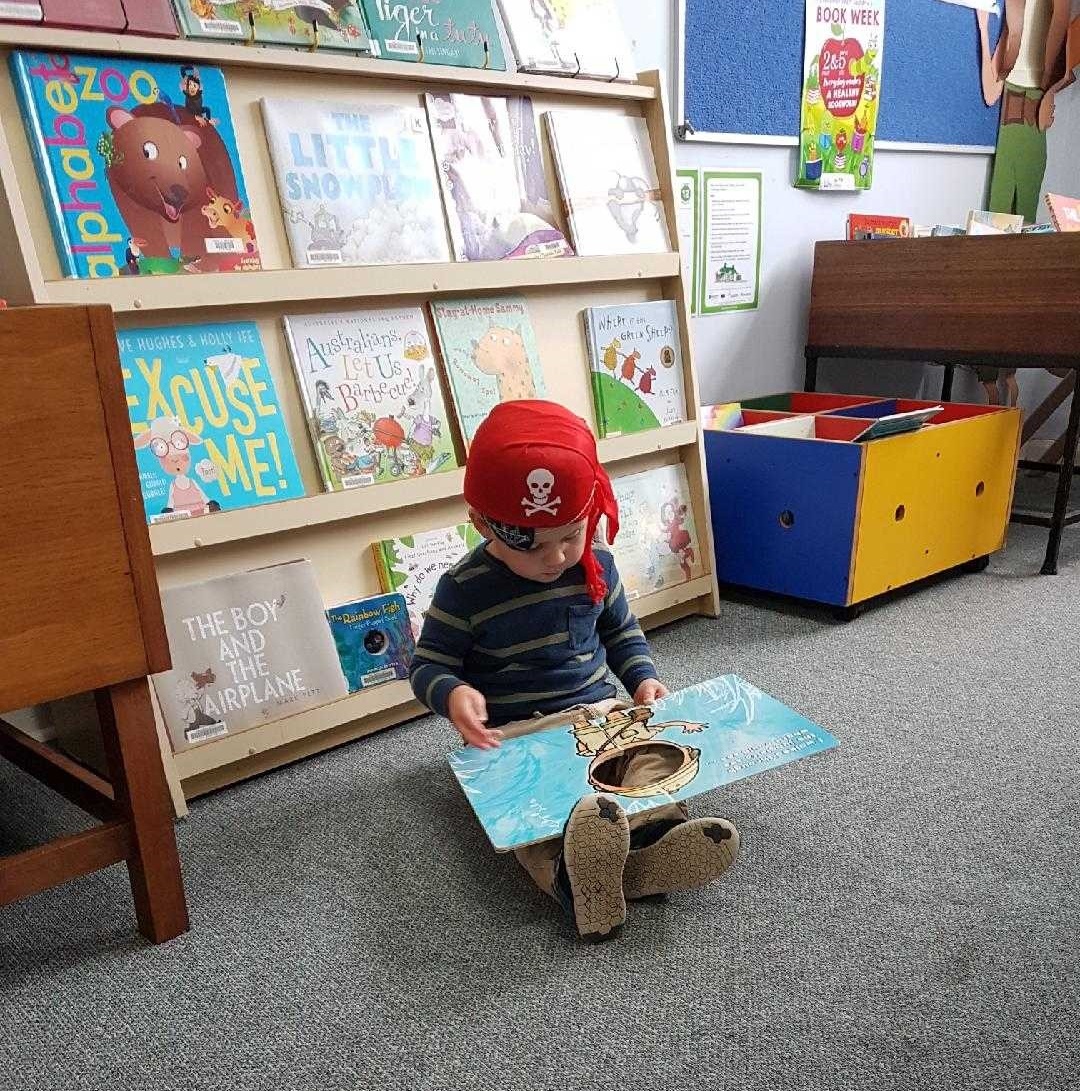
(335, 530)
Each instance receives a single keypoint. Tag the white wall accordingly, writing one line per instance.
(761, 352)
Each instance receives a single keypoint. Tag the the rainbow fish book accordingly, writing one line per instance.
(374, 640)
(712, 734)
(138, 164)
(637, 369)
(208, 430)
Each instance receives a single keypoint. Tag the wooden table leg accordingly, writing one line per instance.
(142, 797)
(1065, 476)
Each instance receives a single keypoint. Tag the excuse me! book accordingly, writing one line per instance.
(138, 165)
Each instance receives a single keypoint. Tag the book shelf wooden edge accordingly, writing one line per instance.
(282, 287)
(284, 58)
(309, 511)
(215, 765)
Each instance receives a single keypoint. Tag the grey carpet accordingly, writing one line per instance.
(903, 913)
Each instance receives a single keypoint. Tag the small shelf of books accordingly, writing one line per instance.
(326, 267)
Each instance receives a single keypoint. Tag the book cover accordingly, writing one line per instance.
(247, 649)
(658, 544)
(138, 163)
(1064, 212)
(637, 368)
(20, 11)
(998, 223)
(490, 352)
(609, 182)
(714, 733)
(1043, 229)
(208, 431)
(569, 37)
(492, 174)
(897, 423)
(325, 24)
(154, 17)
(722, 417)
(94, 14)
(372, 395)
(463, 33)
(357, 182)
(374, 640)
(413, 565)
(878, 227)
(947, 230)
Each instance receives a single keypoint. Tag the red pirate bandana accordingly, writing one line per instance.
(533, 465)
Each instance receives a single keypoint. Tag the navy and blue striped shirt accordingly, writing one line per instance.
(527, 647)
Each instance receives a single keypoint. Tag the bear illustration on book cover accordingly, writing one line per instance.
(138, 163)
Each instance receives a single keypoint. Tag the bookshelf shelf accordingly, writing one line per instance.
(279, 287)
(326, 63)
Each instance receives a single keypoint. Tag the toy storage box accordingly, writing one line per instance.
(799, 508)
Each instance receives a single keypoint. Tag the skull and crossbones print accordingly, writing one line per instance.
(540, 484)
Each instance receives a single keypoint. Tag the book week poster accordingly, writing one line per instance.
(841, 94)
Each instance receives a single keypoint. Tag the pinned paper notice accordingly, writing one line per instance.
(979, 5)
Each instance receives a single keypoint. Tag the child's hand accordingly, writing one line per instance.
(649, 691)
(468, 711)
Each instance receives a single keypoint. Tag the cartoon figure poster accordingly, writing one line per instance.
(712, 734)
(841, 94)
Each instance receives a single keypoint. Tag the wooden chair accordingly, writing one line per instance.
(79, 605)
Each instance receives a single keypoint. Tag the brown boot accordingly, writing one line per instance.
(679, 856)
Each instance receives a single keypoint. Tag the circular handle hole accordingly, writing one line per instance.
(787, 519)
(980, 488)
(901, 511)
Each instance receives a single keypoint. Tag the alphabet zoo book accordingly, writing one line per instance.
(637, 369)
(491, 356)
(138, 163)
(356, 181)
(372, 394)
(208, 430)
(247, 649)
(713, 734)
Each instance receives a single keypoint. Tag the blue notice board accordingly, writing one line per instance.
(743, 65)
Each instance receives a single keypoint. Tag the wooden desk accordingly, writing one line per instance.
(79, 605)
(1002, 300)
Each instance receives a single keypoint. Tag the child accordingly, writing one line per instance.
(525, 628)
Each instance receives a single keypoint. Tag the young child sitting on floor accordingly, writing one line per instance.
(525, 628)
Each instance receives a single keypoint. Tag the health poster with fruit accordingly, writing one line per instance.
(841, 94)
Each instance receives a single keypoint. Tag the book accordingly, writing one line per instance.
(489, 348)
(637, 366)
(413, 565)
(997, 223)
(94, 14)
(307, 24)
(457, 32)
(374, 640)
(1064, 212)
(356, 181)
(208, 431)
(1042, 229)
(20, 11)
(946, 230)
(492, 176)
(569, 37)
(716, 733)
(153, 17)
(722, 417)
(609, 184)
(878, 227)
(138, 163)
(247, 649)
(658, 544)
(897, 423)
(372, 395)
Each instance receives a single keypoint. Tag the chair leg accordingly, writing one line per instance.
(142, 798)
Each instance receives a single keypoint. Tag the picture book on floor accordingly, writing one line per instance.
(208, 430)
(1064, 212)
(247, 649)
(609, 182)
(356, 181)
(413, 565)
(490, 352)
(138, 163)
(463, 33)
(492, 174)
(374, 640)
(307, 24)
(658, 544)
(878, 227)
(372, 395)
(569, 37)
(92, 14)
(712, 734)
(637, 367)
